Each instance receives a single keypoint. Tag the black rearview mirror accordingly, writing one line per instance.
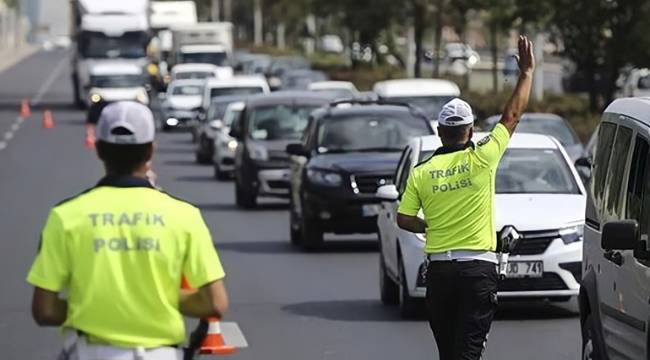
(620, 235)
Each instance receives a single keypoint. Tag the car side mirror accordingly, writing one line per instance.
(216, 124)
(620, 235)
(387, 193)
(297, 149)
(235, 133)
(162, 96)
(583, 162)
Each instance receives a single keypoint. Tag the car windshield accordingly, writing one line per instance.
(555, 127)
(190, 90)
(218, 109)
(369, 132)
(534, 171)
(431, 105)
(279, 122)
(225, 91)
(190, 75)
(116, 81)
(214, 58)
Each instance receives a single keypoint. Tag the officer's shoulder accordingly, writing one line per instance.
(70, 201)
(182, 203)
(423, 162)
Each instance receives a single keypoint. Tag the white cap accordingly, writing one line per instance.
(456, 113)
(126, 122)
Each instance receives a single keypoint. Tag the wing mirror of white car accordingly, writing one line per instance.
(162, 96)
(387, 193)
(216, 124)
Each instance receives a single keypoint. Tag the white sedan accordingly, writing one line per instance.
(539, 194)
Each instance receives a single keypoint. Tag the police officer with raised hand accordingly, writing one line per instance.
(455, 189)
(119, 250)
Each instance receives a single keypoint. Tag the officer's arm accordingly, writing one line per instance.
(519, 100)
(210, 300)
(411, 223)
(47, 308)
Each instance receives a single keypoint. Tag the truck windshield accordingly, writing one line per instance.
(194, 75)
(116, 81)
(131, 45)
(279, 122)
(237, 90)
(214, 58)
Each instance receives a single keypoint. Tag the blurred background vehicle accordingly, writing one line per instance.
(225, 146)
(280, 65)
(268, 124)
(237, 85)
(117, 81)
(338, 89)
(301, 79)
(199, 72)
(350, 149)
(534, 175)
(332, 44)
(206, 131)
(181, 104)
(546, 124)
(427, 94)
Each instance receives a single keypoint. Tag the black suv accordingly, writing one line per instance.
(349, 149)
(267, 125)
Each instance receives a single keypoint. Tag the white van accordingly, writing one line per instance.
(615, 287)
(117, 81)
(427, 94)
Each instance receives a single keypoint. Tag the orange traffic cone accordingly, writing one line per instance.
(25, 112)
(90, 137)
(48, 120)
(213, 342)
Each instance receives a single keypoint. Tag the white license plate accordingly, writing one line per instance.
(522, 269)
(370, 210)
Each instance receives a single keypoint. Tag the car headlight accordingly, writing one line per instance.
(142, 97)
(232, 145)
(325, 178)
(258, 152)
(572, 234)
(95, 98)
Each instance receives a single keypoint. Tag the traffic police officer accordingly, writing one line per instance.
(455, 189)
(119, 250)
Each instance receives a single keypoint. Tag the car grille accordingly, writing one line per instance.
(534, 242)
(549, 281)
(278, 184)
(368, 184)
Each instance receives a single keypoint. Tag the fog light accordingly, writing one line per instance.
(325, 215)
(172, 122)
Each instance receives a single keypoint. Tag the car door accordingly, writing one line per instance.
(633, 275)
(387, 219)
(615, 329)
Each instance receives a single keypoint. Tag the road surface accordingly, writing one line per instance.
(290, 305)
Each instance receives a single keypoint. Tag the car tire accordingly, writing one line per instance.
(201, 156)
(294, 224)
(589, 351)
(409, 307)
(244, 199)
(311, 234)
(220, 175)
(388, 289)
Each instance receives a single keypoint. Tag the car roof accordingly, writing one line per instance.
(636, 108)
(187, 82)
(518, 141)
(332, 85)
(288, 97)
(238, 80)
(416, 87)
(355, 109)
(193, 67)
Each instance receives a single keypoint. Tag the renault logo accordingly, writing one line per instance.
(509, 238)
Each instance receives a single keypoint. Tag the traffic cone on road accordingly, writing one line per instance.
(48, 120)
(214, 343)
(25, 112)
(90, 137)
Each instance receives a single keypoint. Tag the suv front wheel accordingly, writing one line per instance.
(588, 346)
(245, 199)
(311, 234)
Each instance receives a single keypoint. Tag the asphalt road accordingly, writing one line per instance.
(290, 305)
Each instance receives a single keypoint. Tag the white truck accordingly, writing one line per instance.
(167, 14)
(206, 43)
(103, 30)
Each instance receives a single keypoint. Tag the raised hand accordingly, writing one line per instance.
(526, 58)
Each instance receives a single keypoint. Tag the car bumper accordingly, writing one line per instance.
(179, 119)
(562, 265)
(224, 156)
(273, 182)
(342, 214)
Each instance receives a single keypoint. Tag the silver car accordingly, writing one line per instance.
(224, 144)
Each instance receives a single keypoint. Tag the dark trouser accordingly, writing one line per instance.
(461, 302)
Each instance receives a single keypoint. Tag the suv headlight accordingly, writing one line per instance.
(95, 98)
(325, 178)
(258, 152)
(572, 234)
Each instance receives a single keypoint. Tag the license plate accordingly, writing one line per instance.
(370, 210)
(523, 269)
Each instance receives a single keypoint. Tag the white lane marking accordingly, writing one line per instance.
(3, 145)
(50, 80)
(9, 135)
(15, 126)
(232, 335)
